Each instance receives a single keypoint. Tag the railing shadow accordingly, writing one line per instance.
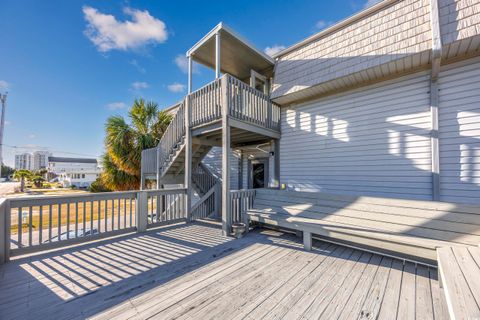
(84, 280)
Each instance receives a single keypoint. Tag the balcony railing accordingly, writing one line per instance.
(245, 103)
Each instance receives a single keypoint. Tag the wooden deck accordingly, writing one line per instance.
(192, 272)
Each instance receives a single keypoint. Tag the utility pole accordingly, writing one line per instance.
(3, 100)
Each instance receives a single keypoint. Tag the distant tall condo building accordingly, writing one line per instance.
(32, 161)
(40, 159)
(23, 161)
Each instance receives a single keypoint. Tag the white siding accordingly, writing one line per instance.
(459, 121)
(370, 141)
(213, 160)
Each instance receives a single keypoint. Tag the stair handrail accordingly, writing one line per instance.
(172, 137)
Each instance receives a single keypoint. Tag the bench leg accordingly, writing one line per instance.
(307, 240)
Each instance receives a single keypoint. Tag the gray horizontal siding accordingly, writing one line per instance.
(371, 141)
(459, 122)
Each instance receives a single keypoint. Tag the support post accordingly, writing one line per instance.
(141, 216)
(190, 70)
(276, 163)
(218, 199)
(434, 99)
(4, 231)
(217, 54)
(307, 240)
(226, 212)
(434, 140)
(188, 160)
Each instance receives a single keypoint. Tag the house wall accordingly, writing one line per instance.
(395, 39)
(371, 141)
(459, 133)
(376, 140)
(391, 33)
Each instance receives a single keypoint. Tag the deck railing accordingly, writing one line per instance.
(244, 103)
(166, 206)
(240, 202)
(31, 224)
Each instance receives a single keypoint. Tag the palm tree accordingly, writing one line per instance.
(37, 180)
(22, 175)
(125, 141)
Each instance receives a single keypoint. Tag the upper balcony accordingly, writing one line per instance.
(238, 99)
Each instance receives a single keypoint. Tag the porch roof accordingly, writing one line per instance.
(237, 55)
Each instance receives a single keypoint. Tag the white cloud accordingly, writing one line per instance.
(274, 49)
(322, 24)
(182, 63)
(176, 87)
(32, 136)
(7, 123)
(139, 85)
(108, 33)
(4, 85)
(370, 3)
(116, 106)
(137, 66)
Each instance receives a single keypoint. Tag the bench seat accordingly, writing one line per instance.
(459, 274)
(404, 228)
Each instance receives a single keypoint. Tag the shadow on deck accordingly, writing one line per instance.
(192, 271)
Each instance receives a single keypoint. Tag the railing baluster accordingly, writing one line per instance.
(30, 226)
(76, 219)
(40, 225)
(84, 216)
(124, 212)
(130, 212)
(118, 216)
(59, 226)
(20, 226)
(50, 223)
(105, 220)
(113, 215)
(91, 217)
(68, 220)
(99, 204)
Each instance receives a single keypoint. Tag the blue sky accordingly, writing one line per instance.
(69, 65)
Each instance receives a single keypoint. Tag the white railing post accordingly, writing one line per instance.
(5, 231)
(141, 216)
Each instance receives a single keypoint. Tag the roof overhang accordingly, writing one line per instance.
(237, 55)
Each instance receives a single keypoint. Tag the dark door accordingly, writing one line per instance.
(258, 173)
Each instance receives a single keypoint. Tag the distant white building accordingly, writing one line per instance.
(32, 161)
(23, 161)
(40, 160)
(78, 172)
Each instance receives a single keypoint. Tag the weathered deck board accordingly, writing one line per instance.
(192, 272)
